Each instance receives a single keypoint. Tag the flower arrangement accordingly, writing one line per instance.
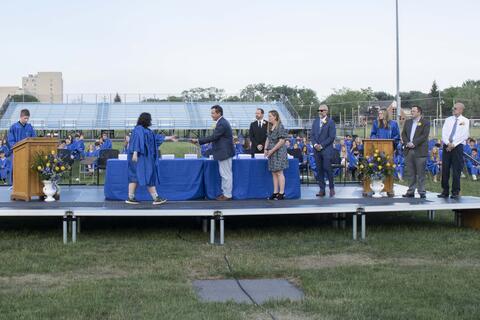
(376, 166)
(49, 166)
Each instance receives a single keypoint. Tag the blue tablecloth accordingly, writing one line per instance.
(180, 179)
(188, 179)
(251, 179)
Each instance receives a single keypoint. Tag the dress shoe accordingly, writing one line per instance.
(423, 196)
(455, 196)
(280, 196)
(321, 194)
(273, 196)
(223, 198)
(442, 195)
(332, 193)
(408, 195)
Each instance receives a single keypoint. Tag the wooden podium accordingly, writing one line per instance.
(26, 182)
(382, 145)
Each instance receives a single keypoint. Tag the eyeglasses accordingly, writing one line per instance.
(322, 110)
(454, 108)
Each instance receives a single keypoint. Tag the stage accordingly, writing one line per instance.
(89, 201)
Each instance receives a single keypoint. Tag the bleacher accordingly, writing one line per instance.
(121, 116)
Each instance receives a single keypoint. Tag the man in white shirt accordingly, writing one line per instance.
(455, 132)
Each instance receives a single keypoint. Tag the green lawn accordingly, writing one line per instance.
(409, 268)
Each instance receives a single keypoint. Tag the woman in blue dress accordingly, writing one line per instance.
(142, 157)
(384, 128)
(434, 162)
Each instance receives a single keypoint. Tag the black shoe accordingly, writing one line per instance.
(280, 196)
(423, 196)
(442, 195)
(273, 196)
(321, 194)
(408, 195)
(159, 200)
(131, 201)
(455, 196)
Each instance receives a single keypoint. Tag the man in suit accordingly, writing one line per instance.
(455, 132)
(322, 136)
(222, 150)
(258, 133)
(415, 149)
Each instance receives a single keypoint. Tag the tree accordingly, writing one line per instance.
(434, 90)
(117, 98)
(204, 94)
(345, 99)
(23, 98)
(383, 96)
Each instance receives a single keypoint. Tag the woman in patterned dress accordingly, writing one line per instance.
(276, 153)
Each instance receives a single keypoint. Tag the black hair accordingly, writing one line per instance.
(475, 149)
(261, 110)
(418, 108)
(218, 109)
(144, 120)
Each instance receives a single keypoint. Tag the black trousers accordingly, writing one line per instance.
(452, 160)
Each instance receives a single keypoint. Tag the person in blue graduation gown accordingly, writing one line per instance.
(384, 128)
(353, 158)
(238, 146)
(5, 168)
(20, 130)
(206, 150)
(107, 143)
(4, 148)
(434, 162)
(142, 158)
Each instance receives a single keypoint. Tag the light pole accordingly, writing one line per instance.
(399, 107)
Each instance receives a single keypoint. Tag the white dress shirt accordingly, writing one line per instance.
(461, 133)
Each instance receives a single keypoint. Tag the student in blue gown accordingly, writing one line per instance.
(353, 158)
(206, 150)
(4, 147)
(142, 157)
(384, 128)
(238, 146)
(434, 162)
(107, 143)
(472, 168)
(5, 168)
(20, 130)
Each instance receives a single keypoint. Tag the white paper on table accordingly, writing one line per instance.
(259, 156)
(191, 156)
(168, 156)
(244, 156)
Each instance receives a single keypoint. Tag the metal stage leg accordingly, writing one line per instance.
(222, 231)
(65, 231)
(212, 231)
(364, 218)
(78, 225)
(74, 229)
(204, 225)
(433, 215)
(458, 218)
(354, 226)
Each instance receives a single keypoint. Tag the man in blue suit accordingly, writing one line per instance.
(223, 150)
(322, 136)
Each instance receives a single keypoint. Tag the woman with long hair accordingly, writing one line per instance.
(276, 153)
(384, 128)
(142, 157)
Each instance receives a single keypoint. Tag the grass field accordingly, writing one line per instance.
(409, 268)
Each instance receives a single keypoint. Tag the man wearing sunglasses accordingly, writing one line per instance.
(455, 132)
(322, 136)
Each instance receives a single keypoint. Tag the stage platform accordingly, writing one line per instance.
(88, 201)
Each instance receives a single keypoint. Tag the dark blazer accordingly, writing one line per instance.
(258, 135)
(420, 139)
(222, 140)
(324, 136)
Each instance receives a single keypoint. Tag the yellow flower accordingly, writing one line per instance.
(39, 168)
(62, 167)
(388, 164)
(375, 155)
(376, 151)
(379, 159)
(370, 164)
(48, 164)
(52, 152)
(46, 157)
(57, 168)
(419, 124)
(361, 166)
(55, 160)
(394, 166)
(380, 167)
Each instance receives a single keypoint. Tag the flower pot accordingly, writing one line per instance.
(377, 186)
(49, 190)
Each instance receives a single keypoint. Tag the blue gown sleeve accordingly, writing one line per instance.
(137, 141)
(395, 131)
(373, 132)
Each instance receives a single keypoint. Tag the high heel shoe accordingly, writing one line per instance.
(280, 196)
(273, 196)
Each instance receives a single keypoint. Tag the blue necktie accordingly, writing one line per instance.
(450, 139)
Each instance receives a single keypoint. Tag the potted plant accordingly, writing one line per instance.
(376, 167)
(50, 168)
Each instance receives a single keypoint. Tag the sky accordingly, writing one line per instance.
(168, 46)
